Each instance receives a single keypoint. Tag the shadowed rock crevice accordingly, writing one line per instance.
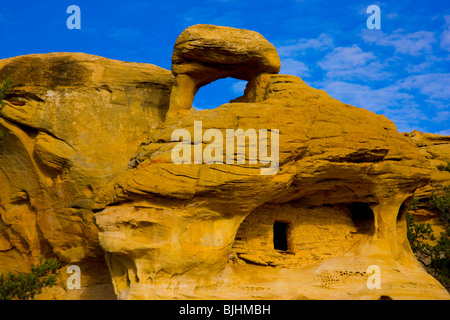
(362, 217)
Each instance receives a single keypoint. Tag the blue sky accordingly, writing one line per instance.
(401, 70)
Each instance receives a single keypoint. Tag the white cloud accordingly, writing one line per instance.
(414, 44)
(398, 101)
(418, 68)
(349, 72)
(239, 87)
(376, 100)
(300, 46)
(442, 116)
(435, 85)
(391, 16)
(345, 63)
(198, 108)
(445, 36)
(445, 132)
(391, 101)
(294, 67)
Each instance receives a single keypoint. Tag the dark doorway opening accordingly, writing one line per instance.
(363, 217)
(280, 235)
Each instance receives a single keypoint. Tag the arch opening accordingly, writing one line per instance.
(218, 93)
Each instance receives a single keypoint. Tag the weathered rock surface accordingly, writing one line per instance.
(345, 180)
(435, 148)
(69, 125)
(205, 53)
(346, 177)
(335, 205)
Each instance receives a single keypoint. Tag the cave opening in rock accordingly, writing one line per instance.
(402, 225)
(404, 208)
(218, 92)
(280, 235)
(362, 217)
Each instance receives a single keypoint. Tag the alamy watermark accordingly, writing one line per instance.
(214, 152)
(337, 278)
(74, 280)
(374, 280)
(74, 20)
(374, 21)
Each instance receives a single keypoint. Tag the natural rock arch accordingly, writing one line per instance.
(219, 92)
(205, 53)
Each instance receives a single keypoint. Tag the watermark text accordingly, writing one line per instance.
(214, 151)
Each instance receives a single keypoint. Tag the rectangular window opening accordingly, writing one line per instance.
(280, 235)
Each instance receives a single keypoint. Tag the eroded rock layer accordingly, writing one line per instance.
(345, 180)
(69, 126)
(88, 176)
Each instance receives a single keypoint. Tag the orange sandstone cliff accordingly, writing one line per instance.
(87, 176)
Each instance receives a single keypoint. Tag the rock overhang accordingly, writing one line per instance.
(171, 230)
(332, 155)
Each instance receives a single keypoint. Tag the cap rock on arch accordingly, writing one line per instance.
(205, 53)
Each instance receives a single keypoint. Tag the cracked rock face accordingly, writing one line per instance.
(152, 229)
(334, 209)
(70, 124)
(345, 180)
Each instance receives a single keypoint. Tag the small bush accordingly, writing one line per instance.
(444, 168)
(4, 89)
(441, 201)
(435, 257)
(24, 286)
(417, 234)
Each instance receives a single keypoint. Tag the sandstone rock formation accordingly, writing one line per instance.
(69, 125)
(334, 207)
(346, 177)
(205, 53)
(435, 148)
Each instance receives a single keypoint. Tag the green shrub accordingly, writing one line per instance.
(417, 234)
(24, 286)
(444, 168)
(4, 89)
(441, 201)
(435, 257)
